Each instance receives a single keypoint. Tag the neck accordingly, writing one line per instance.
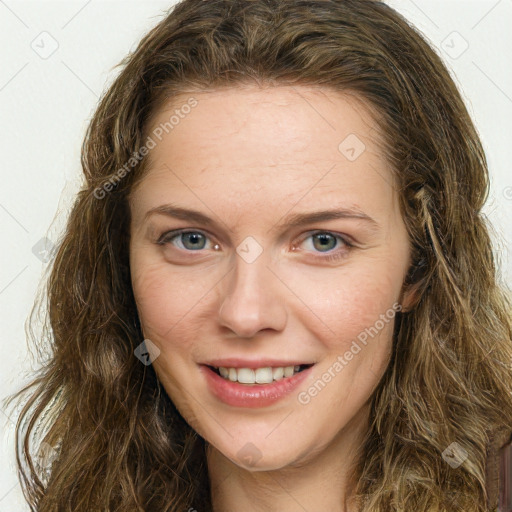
(311, 481)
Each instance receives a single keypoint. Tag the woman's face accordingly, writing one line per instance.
(261, 279)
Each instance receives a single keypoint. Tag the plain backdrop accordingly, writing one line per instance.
(56, 59)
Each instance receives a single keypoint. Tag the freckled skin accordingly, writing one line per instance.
(247, 158)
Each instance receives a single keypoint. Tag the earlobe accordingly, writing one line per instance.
(411, 289)
(410, 297)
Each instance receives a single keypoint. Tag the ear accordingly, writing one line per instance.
(411, 289)
(410, 297)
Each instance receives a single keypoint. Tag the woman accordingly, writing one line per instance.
(211, 349)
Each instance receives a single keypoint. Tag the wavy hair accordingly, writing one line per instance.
(116, 441)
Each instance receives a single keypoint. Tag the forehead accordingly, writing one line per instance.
(248, 120)
(267, 145)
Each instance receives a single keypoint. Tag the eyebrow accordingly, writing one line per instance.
(291, 221)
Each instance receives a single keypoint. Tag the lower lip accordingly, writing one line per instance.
(257, 395)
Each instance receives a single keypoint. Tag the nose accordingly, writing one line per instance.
(253, 300)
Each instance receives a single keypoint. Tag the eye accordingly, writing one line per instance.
(190, 240)
(326, 242)
(323, 242)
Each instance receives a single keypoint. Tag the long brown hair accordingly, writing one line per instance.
(117, 441)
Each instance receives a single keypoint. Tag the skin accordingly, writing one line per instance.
(248, 157)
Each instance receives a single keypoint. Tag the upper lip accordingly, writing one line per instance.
(235, 362)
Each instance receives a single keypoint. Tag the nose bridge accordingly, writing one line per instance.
(251, 300)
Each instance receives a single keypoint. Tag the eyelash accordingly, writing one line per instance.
(168, 236)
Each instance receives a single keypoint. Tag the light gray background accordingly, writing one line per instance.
(58, 57)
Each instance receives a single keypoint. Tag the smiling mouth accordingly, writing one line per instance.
(265, 375)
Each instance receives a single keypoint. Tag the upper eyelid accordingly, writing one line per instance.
(345, 238)
(172, 233)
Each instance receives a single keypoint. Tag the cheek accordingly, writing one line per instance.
(152, 297)
(164, 299)
(346, 303)
(361, 315)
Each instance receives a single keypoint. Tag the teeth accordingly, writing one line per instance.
(259, 375)
(288, 371)
(246, 376)
(278, 373)
(263, 375)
